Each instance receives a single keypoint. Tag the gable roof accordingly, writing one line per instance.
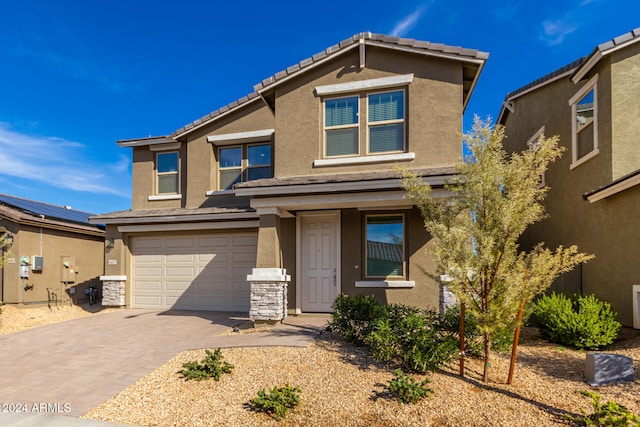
(576, 69)
(473, 59)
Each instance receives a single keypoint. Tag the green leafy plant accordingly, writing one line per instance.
(353, 317)
(582, 322)
(606, 414)
(278, 401)
(212, 366)
(406, 389)
(412, 337)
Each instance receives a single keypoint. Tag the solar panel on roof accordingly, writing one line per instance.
(49, 211)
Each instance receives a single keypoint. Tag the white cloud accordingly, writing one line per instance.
(405, 24)
(554, 32)
(59, 163)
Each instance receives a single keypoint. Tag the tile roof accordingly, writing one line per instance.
(577, 68)
(436, 49)
(342, 177)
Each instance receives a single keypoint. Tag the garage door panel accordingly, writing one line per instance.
(213, 242)
(193, 272)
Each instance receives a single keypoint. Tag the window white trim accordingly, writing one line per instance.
(380, 158)
(592, 84)
(218, 192)
(241, 137)
(542, 182)
(385, 284)
(362, 85)
(165, 197)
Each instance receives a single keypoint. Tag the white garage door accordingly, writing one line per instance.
(193, 272)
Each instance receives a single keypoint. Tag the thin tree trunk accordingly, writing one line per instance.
(487, 358)
(462, 339)
(514, 347)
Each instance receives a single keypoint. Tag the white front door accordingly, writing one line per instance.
(319, 252)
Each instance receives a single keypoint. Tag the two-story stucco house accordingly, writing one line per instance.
(299, 175)
(594, 197)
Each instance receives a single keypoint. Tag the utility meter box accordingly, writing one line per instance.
(37, 263)
(24, 267)
(68, 269)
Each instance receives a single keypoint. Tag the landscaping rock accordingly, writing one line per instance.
(603, 368)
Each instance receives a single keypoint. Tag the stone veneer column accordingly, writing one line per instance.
(447, 298)
(113, 294)
(268, 294)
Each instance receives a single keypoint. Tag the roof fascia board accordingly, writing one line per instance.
(540, 85)
(175, 218)
(472, 87)
(62, 227)
(614, 189)
(335, 187)
(143, 142)
(597, 56)
(241, 137)
(220, 225)
(427, 52)
(217, 117)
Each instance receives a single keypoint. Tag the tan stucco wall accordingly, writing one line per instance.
(606, 228)
(87, 250)
(434, 111)
(625, 107)
(143, 177)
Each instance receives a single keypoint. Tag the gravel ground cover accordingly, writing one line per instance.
(342, 386)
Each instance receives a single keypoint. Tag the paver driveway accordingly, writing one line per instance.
(72, 367)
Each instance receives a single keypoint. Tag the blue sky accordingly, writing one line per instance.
(78, 75)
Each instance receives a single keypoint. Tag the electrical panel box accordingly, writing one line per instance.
(24, 267)
(37, 263)
(68, 269)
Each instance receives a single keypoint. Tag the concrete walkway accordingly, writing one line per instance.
(71, 367)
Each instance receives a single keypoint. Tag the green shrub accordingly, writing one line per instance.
(583, 322)
(406, 389)
(412, 337)
(211, 366)
(608, 414)
(353, 316)
(277, 401)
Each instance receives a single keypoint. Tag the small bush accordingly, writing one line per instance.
(608, 414)
(353, 316)
(406, 389)
(583, 322)
(277, 401)
(211, 366)
(412, 337)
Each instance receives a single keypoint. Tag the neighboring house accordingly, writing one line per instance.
(52, 253)
(594, 197)
(299, 175)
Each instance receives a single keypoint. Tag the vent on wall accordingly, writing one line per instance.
(636, 306)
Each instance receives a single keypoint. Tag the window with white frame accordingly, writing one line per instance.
(168, 174)
(384, 246)
(243, 163)
(341, 126)
(533, 144)
(584, 113)
(385, 121)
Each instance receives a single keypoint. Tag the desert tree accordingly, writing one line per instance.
(492, 199)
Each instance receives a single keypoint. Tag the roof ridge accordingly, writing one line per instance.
(376, 38)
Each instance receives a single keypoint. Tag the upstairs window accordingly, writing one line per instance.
(168, 173)
(341, 126)
(384, 246)
(243, 163)
(386, 122)
(584, 112)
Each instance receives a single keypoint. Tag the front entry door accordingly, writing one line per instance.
(319, 252)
